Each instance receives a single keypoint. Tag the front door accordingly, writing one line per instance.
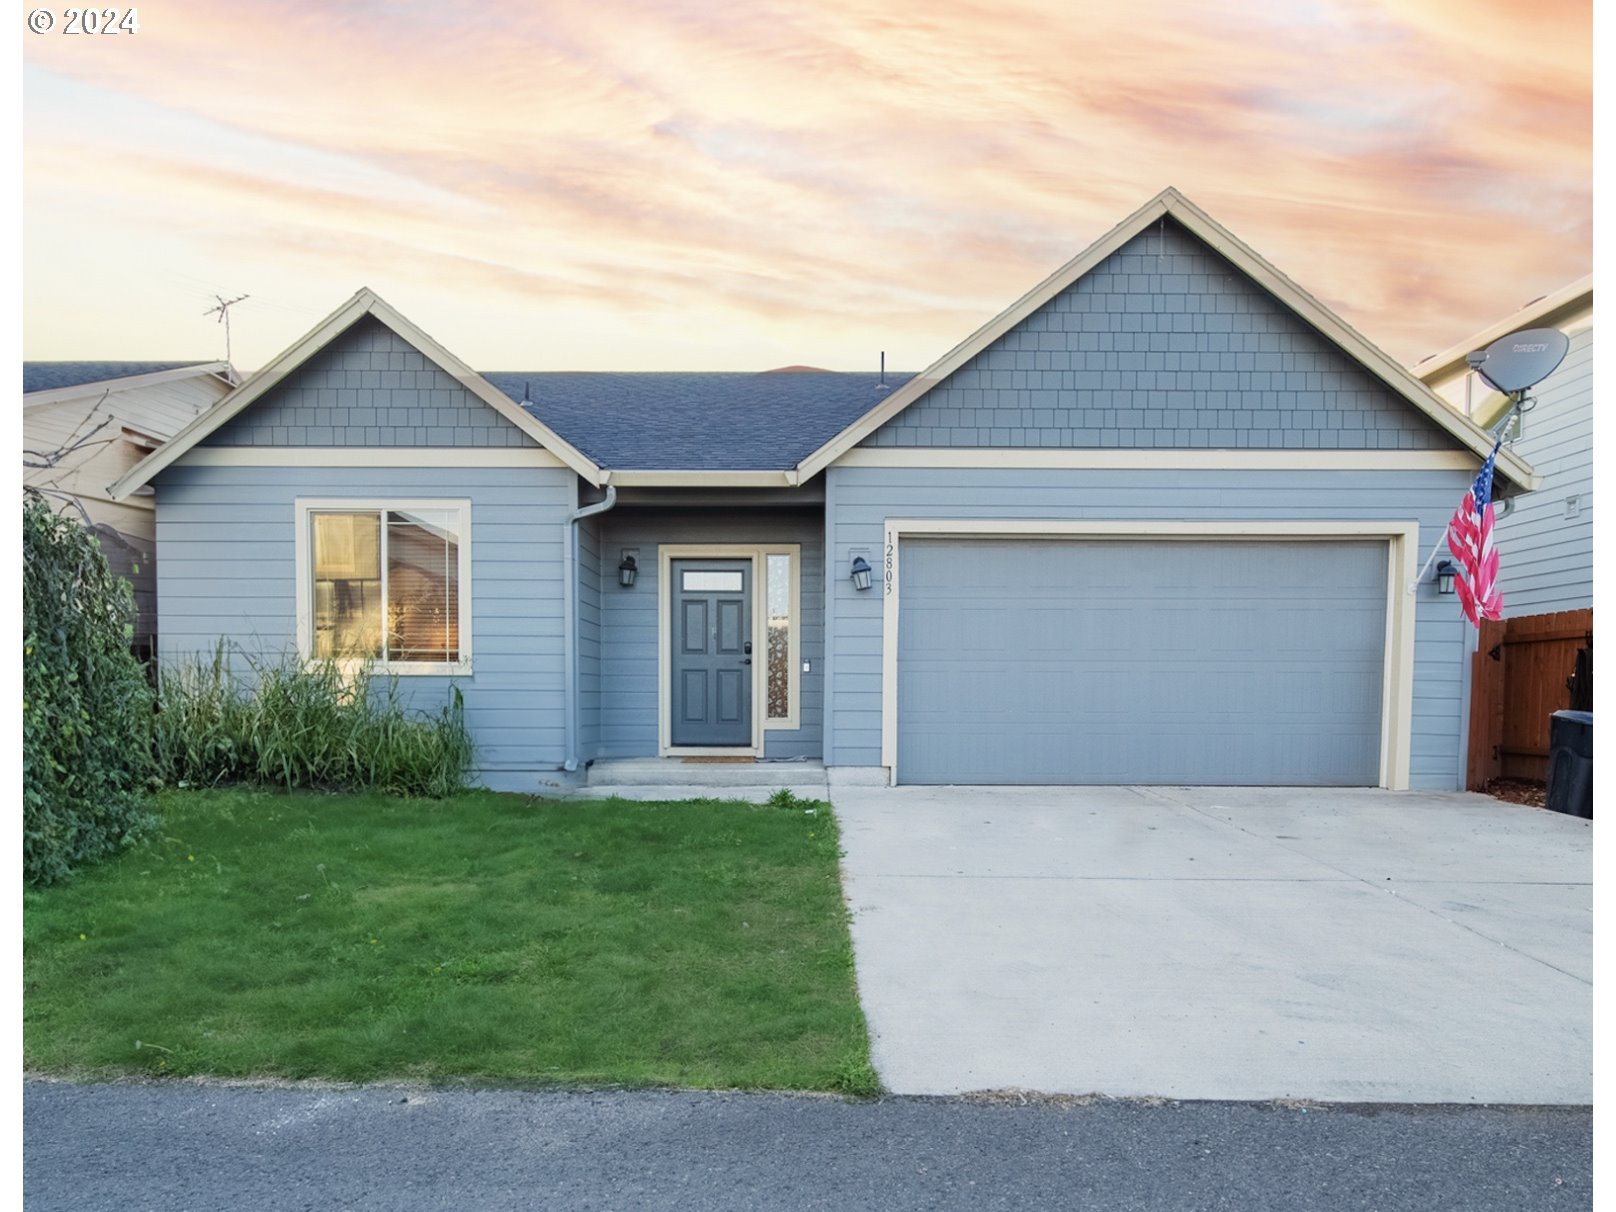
(711, 631)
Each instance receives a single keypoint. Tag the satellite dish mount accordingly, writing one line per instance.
(1516, 362)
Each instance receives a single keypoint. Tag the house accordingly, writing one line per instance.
(87, 423)
(1158, 522)
(1545, 539)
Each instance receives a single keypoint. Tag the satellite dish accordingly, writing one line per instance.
(1513, 363)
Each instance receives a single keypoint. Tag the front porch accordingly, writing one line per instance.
(673, 778)
(713, 650)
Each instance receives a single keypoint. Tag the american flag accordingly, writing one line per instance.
(1470, 538)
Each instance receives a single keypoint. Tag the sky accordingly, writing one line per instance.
(703, 185)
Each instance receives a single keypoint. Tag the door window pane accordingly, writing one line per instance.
(779, 688)
(712, 582)
(347, 585)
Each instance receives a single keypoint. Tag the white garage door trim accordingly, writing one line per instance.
(1402, 547)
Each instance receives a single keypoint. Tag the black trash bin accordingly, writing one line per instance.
(1571, 763)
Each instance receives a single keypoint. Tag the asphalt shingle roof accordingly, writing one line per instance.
(697, 421)
(49, 376)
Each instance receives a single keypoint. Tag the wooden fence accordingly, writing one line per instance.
(1518, 679)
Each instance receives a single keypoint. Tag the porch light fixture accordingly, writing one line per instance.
(1444, 577)
(861, 573)
(627, 571)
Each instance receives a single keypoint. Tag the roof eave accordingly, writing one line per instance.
(1569, 302)
(97, 387)
(363, 302)
(1171, 202)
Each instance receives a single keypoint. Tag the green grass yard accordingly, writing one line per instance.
(486, 937)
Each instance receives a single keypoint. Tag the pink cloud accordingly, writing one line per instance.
(833, 166)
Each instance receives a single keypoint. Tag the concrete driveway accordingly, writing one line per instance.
(1222, 943)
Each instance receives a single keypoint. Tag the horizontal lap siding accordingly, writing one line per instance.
(227, 570)
(860, 499)
(628, 663)
(1545, 559)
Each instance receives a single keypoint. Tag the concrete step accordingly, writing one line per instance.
(679, 772)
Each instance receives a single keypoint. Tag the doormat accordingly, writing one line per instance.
(698, 761)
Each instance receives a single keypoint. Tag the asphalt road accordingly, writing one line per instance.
(179, 1146)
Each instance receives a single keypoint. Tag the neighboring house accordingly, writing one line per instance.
(1545, 539)
(87, 423)
(1159, 522)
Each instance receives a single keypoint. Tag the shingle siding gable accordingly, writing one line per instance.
(1163, 344)
(369, 387)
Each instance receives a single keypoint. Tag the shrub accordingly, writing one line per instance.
(86, 709)
(294, 724)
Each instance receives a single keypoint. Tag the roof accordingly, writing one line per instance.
(365, 302)
(738, 421)
(1550, 311)
(53, 376)
(1172, 204)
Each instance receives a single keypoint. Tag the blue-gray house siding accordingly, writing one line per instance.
(860, 499)
(370, 387)
(227, 536)
(1546, 540)
(627, 687)
(1163, 344)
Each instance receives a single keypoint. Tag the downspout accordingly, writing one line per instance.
(569, 622)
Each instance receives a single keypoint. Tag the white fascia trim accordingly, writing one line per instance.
(674, 478)
(1171, 202)
(368, 456)
(1576, 299)
(302, 552)
(83, 391)
(365, 302)
(1402, 539)
(1175, 460)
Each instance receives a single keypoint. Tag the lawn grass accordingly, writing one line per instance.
(485, 936)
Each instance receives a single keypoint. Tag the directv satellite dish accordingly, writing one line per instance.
(1513, 363)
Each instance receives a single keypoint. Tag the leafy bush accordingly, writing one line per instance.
(292, 724)
(86, 709)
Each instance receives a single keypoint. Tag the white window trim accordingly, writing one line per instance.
(303, 553)
(757, 554)
(1402, 554)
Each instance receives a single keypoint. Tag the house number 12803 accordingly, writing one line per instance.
(887, 575)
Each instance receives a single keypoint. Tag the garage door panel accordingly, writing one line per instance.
(1140, 661)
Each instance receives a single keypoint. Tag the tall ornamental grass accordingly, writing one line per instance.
(289, 724)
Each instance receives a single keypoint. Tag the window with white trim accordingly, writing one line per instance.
(385, 582)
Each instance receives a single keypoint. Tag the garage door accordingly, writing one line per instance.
(1126, 661)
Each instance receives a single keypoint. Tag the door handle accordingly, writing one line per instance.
(746, 660)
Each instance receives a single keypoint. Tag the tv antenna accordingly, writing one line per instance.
(223, 310)
(1516, 362)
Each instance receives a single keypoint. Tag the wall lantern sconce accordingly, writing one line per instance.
(627, 571)
(1444, 577)
(861, 573)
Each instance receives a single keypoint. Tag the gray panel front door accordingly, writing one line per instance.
(1123, 661)
(711, 633)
